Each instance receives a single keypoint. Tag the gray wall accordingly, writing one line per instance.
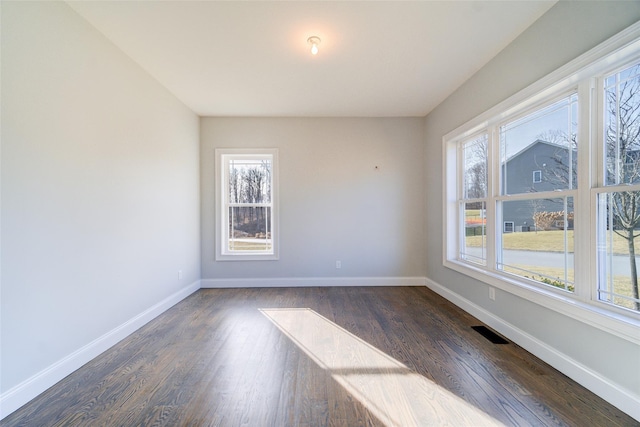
(100, 198)
(334, 204)
(101, 195)
(566, 31)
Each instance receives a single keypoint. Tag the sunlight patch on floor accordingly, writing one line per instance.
(393, 393)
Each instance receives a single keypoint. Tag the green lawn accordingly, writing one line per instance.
(236, 245)
(622, 283)
(552, 241)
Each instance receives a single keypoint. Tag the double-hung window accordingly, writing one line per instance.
(473, 201)
(246, 196)
(542, 192)
(543, 138)
(618, 188)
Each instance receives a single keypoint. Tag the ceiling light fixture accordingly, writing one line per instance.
(314, 42)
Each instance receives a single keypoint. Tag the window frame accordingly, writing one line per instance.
(537, 173)
(222, 204)
(464, 198)
(509, 229)
(581, 74)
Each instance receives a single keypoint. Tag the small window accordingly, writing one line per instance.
(246, 205)
(537, 176)
(618, 227)
(508, 227)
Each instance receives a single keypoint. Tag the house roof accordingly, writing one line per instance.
(532, 145)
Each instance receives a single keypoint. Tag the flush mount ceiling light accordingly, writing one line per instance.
(314, 42)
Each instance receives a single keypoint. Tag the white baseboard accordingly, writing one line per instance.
(623, 399)
(22, 393)
(299, 282)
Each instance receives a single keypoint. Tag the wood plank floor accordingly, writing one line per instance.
(352, 356)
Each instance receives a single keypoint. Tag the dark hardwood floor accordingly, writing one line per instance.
(314, 357)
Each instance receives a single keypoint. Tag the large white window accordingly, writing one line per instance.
(566, 238)
(246, 196)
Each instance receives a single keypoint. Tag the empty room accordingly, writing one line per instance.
(310, 213)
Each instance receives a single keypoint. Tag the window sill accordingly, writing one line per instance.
(248, 257)
(593, 314)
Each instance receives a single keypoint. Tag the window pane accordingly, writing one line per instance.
(544, 142)
(475, 168)
(249, 181)
(475, 236)
(540, 247)
(617, 236)
(622, 127)
(250, 229)
(537, 176)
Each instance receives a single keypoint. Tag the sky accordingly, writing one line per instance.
(560, 116)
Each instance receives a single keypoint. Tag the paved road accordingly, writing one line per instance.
(555, 259)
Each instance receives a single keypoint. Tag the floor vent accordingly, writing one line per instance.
(490, 335)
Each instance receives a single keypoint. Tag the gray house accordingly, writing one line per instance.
(540, 166)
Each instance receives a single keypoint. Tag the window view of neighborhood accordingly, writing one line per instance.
(531, 201)
(552, 157)
(538, 156)
(619, 210)
(474, 204)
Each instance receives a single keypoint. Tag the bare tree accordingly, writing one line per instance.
(476, 169)
(234, 190)
(248, 185)
(477, 180)
(623, 163)
(564, 168)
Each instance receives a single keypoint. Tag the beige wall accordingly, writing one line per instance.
(334, 203)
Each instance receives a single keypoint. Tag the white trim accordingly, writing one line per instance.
(605, 319)
(539, 173)
(625, 400)
(622, 398)
(221, 214)
(618, 47)
(22, 393)
(300, 282)
(580, 75)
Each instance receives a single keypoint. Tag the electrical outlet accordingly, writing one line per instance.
(338, 264)
(492, 293)
(179, 274)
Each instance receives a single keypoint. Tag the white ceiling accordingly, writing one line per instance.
(251, 58)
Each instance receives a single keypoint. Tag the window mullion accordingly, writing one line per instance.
(227, 216)
(460, 199)
(493, 190)
(594, 191)
(584, 215)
